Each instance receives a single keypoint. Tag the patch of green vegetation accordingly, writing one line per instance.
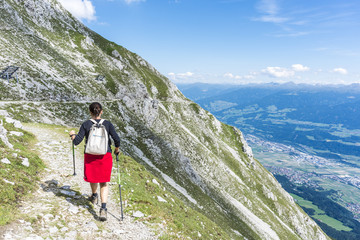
(195, 107)
(6, 213)
(320, 214)
(107, 46)
(111, 85)
(322, 199)
(17, 180)
(147, 75)
(151, 79)
(307, 204)
(77, 38)
(179, 221)
(6, 91)
(229, 136)
(332, 223)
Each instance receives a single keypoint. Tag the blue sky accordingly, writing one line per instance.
(234, 41)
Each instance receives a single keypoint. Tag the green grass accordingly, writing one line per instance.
(307, 204)
(195, 107)
(332, 222)
(179, 220)
(24, 178)
(320, 214)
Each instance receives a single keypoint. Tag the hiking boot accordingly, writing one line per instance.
(103, 214)
(94, 199)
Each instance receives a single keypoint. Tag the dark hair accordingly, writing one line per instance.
(95, 109)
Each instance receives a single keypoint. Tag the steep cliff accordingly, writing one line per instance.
(205, 162)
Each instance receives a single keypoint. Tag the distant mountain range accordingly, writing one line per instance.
(292, 109)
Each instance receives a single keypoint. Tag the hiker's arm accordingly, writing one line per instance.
(114, 136)
(78, 137)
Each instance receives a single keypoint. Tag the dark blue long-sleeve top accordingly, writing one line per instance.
(85, 129)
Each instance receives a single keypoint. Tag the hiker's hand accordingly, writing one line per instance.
(72, 134)
(117, 151)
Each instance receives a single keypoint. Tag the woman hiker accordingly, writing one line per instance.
(97, 168)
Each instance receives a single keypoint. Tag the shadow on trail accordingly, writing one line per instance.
(72, 196)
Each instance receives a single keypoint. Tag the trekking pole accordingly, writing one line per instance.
(73, 148)
(117, 161)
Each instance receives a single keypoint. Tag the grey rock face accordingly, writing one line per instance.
(16, 123)
(116, 54)
(19, 134)
(92, 225)
(4, 138)
(138, 214)
(161, 199)
(25, 162)
(4, 113)
(6, 161)
(73, 209)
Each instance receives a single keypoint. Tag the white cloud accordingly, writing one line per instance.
(300, 68)
(184, 75)
(228, 75)
(176, 76)
(251, 76)
(268, 6)
(296, 73)
(340, 70)
(81, 9)
(271, 19)
(278, 72)
(270, 11)
(232, 76)
(292, 34)
(134, 1)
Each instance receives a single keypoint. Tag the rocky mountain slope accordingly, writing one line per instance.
(203, 161)
(58, 207)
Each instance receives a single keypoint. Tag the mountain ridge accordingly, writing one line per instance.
(205, 162)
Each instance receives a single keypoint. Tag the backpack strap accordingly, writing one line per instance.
(95, 122)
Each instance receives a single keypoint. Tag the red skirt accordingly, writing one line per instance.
(97, 168)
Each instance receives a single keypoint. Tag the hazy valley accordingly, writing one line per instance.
(308, 134)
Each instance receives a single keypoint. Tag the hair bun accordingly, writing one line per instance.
(95, 109)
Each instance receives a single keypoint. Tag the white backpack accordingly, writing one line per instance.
(97, 142)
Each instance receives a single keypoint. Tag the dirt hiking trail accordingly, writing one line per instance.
(58, 209)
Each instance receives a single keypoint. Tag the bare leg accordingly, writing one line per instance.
(93, 187)
(104, 191)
